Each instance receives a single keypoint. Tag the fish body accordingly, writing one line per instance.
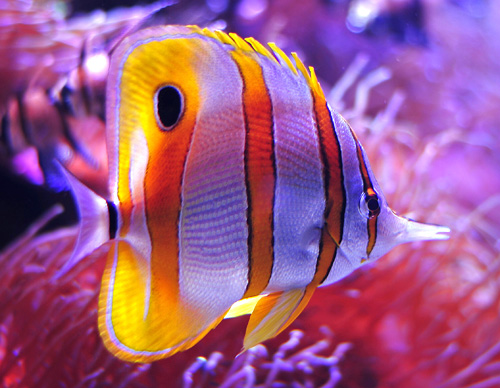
(235, 189)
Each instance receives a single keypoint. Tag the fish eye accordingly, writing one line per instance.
(369, 204)
(168, 104)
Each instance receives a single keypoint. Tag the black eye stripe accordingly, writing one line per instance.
(168, 105)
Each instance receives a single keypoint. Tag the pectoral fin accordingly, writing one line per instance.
(274, 313)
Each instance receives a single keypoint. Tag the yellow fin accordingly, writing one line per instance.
(274, 313)
(243, 307)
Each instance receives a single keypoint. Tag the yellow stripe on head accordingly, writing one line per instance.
(148, 67)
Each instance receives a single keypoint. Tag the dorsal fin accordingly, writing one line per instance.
(282, 57)
(273, 53)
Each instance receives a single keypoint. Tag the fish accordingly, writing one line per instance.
(234, 189)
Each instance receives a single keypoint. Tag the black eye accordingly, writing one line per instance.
(168, 106)
(373, 205)
(369, 205)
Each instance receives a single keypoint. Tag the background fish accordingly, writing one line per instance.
(232, 184)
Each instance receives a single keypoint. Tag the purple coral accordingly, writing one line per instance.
(306, 367)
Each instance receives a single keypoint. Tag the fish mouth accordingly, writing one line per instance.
(417, 231)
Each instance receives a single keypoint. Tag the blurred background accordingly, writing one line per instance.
(419, 81)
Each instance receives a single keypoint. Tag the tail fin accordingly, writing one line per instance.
(94, 221)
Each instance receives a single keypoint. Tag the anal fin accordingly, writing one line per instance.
(274, 313)
(243, 307)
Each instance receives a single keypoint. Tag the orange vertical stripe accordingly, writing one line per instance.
(260, 170)
(372, 234)
(144, 72)
(170, 324)
(334, 187)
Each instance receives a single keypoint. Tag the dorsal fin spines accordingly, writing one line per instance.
(224, 38)
(261, 49)
(240, 42)
(209, 33)
(281, 55)
(315, 83)
(274, 53)
(196, 29)
(300, 67)
(310, 76)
